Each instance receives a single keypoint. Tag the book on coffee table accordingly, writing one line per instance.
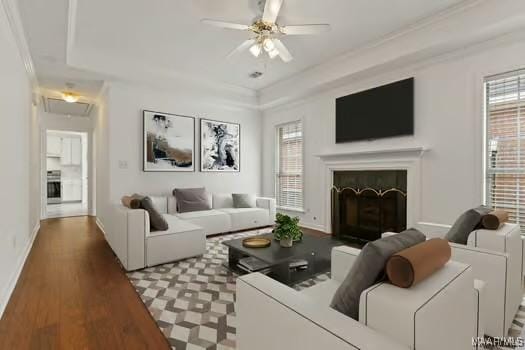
(252, 264)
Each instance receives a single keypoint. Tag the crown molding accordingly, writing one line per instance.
(238, 96)
(14, 21)
(454, 29)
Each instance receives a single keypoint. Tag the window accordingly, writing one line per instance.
(289, 176)
(505, 144)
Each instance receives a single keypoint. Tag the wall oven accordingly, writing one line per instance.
(54, 187)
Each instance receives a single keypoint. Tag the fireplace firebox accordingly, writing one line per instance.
(367, 203)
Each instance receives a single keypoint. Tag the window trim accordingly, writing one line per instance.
(485, 125)
(276, 165)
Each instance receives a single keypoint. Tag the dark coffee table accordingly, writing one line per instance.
(315, 250)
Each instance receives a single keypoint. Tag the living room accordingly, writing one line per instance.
(213, 125)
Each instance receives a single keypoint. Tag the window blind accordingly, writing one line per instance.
(289, 177)
(505, 144)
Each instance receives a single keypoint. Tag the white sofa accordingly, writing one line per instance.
(496, 257)
(136, 246)
(438, 313)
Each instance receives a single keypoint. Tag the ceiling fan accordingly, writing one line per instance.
(267, 32)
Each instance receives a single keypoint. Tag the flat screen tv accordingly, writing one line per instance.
(384, 111)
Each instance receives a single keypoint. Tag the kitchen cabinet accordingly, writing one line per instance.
(71, 153)
(54, 146)
(76, 151)
(71, 190)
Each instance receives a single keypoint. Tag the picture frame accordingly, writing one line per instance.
(220, 146)
(168, 142)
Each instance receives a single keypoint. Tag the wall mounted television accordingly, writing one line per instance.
(384, 111)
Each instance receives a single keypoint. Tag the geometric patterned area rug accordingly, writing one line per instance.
(192, 301)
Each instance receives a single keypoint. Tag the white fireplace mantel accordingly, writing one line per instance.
(376, 153)
(407, 158)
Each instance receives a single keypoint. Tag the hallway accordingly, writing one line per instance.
(73, 294)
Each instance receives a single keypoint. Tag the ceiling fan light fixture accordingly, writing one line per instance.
(268, 45)
(274, 53)
(255, 50)
(70, 97)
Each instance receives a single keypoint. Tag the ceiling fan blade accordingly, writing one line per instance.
(271, 10)
(306, 29)
(285, 55)
(225, 25)
(243, 47)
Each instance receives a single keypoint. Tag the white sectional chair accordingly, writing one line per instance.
(496, 257)
(438, 313)
(136, 246)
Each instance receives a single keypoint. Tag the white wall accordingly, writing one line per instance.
(448, 120)
(19, 139)
(124, 142)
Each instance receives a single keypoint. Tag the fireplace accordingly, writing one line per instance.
(367, 203)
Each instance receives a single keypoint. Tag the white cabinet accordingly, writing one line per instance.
(76, 151)
(71, 151)
(71, 190)
(54, 146)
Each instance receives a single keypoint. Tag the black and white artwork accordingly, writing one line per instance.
(169, 142)
(220, 146)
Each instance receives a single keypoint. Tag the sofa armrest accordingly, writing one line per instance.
(283, 313)
(416, 317)
(494, 268)
(343, 257)
(269, 204)
(127, 235)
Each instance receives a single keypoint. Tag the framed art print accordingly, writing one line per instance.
(220, 146)
(169, 142)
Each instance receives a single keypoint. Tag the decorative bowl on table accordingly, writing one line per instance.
(256, 242)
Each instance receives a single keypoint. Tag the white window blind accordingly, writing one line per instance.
(505, 144)
(289, 177)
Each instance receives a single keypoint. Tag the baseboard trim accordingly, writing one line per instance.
(16, 274)
(313, 227)
(100, 226)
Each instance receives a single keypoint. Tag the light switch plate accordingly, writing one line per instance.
(122, 164)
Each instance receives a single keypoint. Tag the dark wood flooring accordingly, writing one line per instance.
(73, 294)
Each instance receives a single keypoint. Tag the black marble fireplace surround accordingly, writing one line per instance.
(368, 203)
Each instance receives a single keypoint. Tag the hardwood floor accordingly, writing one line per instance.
(72, 294)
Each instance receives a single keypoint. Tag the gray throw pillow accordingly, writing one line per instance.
(156, 220)
(192, 199)
(465, 224)
(369, 268)
(244, 200)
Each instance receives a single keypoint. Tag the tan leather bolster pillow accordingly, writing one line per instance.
(131, 202)
(494, 219)
(414, 264)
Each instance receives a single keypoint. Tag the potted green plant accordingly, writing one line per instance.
(287, 230)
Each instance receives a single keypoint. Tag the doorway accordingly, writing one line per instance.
(67, 174)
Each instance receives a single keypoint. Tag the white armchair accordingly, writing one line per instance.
(271, 315)
(496, 257)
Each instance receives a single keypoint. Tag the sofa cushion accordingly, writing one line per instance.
(465, 224)
(156, 220)
(243, 218)
(160, 203)
(222, 200)
(244, 200)
(212, 221)
(175, 225)
(191, 199)
(368, 269)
